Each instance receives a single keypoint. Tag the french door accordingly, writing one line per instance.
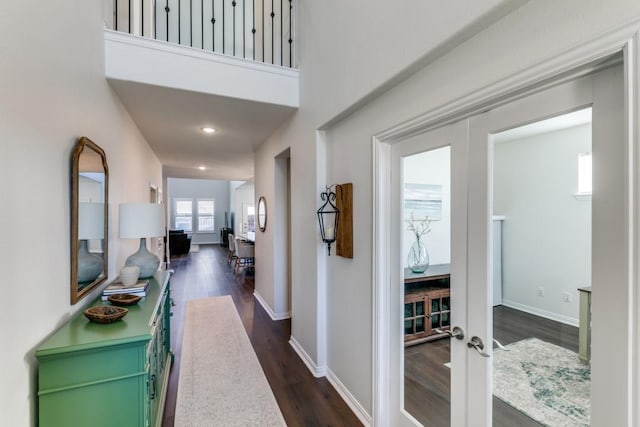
(468, 397)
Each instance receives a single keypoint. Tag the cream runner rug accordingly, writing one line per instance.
(221, 381)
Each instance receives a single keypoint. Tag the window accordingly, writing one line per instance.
(584, 173)
(200, 220)
(205, 215)
(184, 215)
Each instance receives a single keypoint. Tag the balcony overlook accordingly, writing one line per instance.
(179, 65)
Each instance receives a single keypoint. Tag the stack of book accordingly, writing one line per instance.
(139, 288)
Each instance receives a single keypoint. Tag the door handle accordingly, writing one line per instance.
(456, 332)
(477, 344)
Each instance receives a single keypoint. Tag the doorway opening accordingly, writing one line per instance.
(282, 234)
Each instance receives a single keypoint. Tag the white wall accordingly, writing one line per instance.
(546, 235)
(344, 58)
(432, 167)
(182, 188)
(347, 53)
(52, 91)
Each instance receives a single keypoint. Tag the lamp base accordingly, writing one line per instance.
(90, 266)
(145, 260)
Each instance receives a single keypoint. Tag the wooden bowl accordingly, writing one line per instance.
(105, 313)
(123, 300)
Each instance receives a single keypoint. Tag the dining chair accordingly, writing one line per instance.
(246, 256)
(231, 255)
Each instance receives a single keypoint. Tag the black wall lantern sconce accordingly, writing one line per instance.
(328, 215)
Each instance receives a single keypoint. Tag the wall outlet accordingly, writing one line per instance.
(566, 297)
(541, 292)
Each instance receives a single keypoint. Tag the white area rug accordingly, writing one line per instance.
(221, 381)
(545, 381)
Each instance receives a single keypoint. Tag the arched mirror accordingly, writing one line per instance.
(89, 218)
(262, 214)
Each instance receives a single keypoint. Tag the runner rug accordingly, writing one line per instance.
(545, 381)
(221, 381)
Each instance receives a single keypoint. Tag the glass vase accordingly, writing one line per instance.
(418, 258)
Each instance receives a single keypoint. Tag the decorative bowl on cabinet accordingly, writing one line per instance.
(123, 300)
(105, 313)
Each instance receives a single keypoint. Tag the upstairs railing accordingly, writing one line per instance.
(259, 30)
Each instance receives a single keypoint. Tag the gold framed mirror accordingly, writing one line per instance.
(89, 218)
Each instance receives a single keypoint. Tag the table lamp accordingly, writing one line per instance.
(142, 220)
(90, 226)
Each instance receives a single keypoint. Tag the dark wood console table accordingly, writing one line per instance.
(427, 304)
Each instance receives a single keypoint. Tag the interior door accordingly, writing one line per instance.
(610, 265)
(451, 144)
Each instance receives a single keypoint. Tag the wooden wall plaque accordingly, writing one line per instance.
(344, 203)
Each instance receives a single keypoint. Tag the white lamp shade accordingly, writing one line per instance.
(90, 221)
(139, 220)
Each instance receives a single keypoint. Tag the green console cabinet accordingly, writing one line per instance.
(109, 375)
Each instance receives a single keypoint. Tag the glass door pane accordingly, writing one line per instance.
(426, 241)
(541, 232)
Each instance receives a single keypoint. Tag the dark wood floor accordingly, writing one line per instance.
(427, 380)
(303, 399)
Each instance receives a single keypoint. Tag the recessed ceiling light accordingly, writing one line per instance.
(208, 130)
(202, 168)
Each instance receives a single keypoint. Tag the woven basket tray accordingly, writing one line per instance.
(123, 300)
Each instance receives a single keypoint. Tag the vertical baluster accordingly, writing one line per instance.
(273, 49)
(129, 17)
(233, 3)
(264, 59)
(253, 30)
(142, 18)
(213, 25)
(191, 23)
(244, 20)
(281, 34)
(224, 18)
(179, 21)
(155, 20)
(290, 33)
(115, 15)
(166, 9)
(201, 24)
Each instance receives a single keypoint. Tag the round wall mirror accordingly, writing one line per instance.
(262, 214)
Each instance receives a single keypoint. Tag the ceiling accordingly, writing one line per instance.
(171, 121)
(565, 121)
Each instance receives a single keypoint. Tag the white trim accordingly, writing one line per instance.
(192, 52)
(633, 136)
(316, 371)
(321, 255)
(542, 313)
(381, 280)
(562, 66)
(272, 314)
(519, 84)
(349, 399)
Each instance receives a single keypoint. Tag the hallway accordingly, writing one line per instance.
(303, 399)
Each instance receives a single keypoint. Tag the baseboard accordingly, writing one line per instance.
(349, 399)
(316, 371)
(269, 310)
(542, 313)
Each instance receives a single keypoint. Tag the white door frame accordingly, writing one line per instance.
(574, 62)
